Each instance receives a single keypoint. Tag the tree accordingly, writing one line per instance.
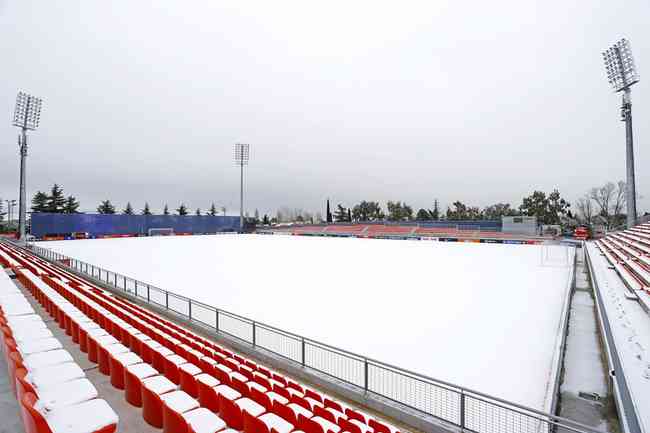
(223, 209)
(423, 215)
(71, 205)
(181, 210)
(398, 211)
(106, 207)
(198, 211)
(367, 211)
(548, 210)
(300, 219)
(349, 216)
(2, 212)
(213, 210)
(341, 214)
(585, 209)
(257, 216)
(128, 210)
(39, 202)
(435, 213)
(329, 214)
(166, 210)
(265, 220)
(498, 210)
(620, 198)
(56, 200)
(146, 210)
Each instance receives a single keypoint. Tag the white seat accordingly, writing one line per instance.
(43, 359)
(43, 345)
(159, 384)
(85, 417)
(142, 371)
(364, 427)
(313, 403)
(179, 401)
(128, 358)
(59, 395)
(276, 423)
(190, 369)
(250, 406)
(254, 385)
(277, 397)
(227, 392)
(53, 374)
(203, 420)
(327, 425)
(21, 336)
(299, 410)
(207, 379)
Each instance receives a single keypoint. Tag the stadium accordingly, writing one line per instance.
(481, 319)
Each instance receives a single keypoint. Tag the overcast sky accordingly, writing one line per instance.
(471, 100)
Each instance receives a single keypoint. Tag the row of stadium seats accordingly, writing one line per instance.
(53, 391)
(628, 252)
(395, 230)
(183, 381)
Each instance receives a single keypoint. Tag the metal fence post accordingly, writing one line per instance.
(365, 374)
(462, 409)
(189, 309)
(302, 340)
(166, 300)
(125, 284)
(254, 333)
(136, 287)
(148, 294)
(216, 319)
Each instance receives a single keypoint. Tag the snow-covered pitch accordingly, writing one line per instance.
(484, 316)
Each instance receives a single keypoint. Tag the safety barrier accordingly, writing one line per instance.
(461, 407)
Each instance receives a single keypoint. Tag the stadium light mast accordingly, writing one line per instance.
(27, 116)
(622, 74)
(242, 155)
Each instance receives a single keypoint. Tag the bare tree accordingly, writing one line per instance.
(585, 208)
(620, 198)
(603, 197)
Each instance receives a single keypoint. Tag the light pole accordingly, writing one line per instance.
(242, 155)
(27, 116)
(622, 74)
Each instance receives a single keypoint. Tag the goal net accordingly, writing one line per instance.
(161, 232)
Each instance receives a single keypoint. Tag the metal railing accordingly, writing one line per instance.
(461, 407)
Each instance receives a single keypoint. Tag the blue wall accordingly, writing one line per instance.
(101, 224)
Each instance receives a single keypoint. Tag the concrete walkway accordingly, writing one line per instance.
(584, 394)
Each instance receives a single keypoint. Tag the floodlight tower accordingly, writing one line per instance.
(27, 116)
(242, 155)
(622, 74)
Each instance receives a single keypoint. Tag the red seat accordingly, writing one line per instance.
(175, 404)
(152, 390)
(118, 364)
(208, 396)
(133, 377)
(188, 373)
(380, 427)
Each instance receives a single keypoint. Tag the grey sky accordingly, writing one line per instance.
(477, 101)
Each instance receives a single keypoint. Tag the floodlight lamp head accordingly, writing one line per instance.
(619, 66)
(242, 153)
(27, 113)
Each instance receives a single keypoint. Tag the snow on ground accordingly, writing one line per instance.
(630, 327)
(485, 316)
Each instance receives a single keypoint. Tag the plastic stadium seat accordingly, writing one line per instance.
(353, 414)
(147, 350)
(86, 330)
(152, 390)
(93, 416)
(44, 359)
(188, 373)
(201, 420)
(159, 355)
(77, 391)
(118, 363)
(298, 413)
(354, 426)
(327, 426)
(324, 413)
(222, 373)
(54, 374)
(175, 404)
(337, 415)
(239, 382)
(232, 411)
(208, 396)
(172, 364)
(94, 341)
(332, 404)
(133, 377)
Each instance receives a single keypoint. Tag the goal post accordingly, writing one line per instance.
(161, 231)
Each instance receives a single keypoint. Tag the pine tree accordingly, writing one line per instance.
(166, 210)
(435, 213)
(213, 210)
(128, 210)
(106, 207)
(341, 214)
(182, 210)
(349, 216)
(329, 214)
(146, 210)
(39, 202)
(265, 220)
(56, 200)
(257, 216)
(198, 211)
(71, 205)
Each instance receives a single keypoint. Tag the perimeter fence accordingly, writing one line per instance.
(461, 407)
